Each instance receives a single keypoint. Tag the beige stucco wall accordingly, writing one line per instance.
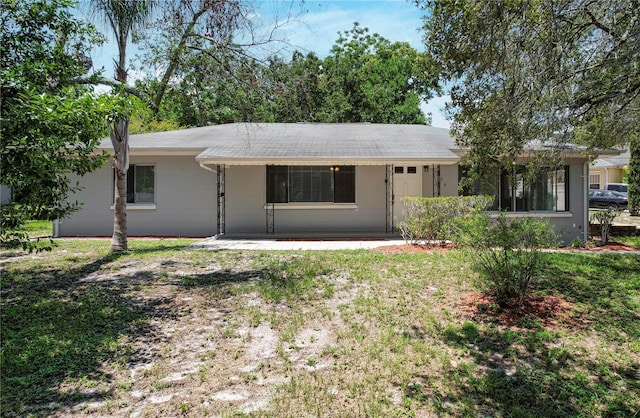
(246, 213)
(185, 202)
(448, 180)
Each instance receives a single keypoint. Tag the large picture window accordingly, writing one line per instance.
(519, 191)
(320, 184)
(141, 183)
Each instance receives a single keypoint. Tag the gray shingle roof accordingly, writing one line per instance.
(281, 142)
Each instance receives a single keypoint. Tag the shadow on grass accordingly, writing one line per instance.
(527, 374)
(605, 289)
(296, 279)
(61, 327)
(577, 371)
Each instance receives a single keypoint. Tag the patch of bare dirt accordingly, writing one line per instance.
(548, 312)
(416, 248)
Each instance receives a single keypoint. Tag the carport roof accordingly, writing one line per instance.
(289, 143)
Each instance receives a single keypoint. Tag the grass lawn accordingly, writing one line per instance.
(168, 331)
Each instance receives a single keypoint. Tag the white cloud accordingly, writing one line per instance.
(318, 28)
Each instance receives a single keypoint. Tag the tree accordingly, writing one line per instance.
(49, 128)
(296, 94)
(123, 17)
(366, 78)
(183, 28)
(553, 71)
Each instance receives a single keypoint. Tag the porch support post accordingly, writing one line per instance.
(389, 198)
(270, 211)
(221, 174)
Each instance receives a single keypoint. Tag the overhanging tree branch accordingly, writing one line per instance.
(95, 80)
(175, 58)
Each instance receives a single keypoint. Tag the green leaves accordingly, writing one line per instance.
(369, 79)
(365, 78)
(505, 252)
(49, 128)
(543, 70)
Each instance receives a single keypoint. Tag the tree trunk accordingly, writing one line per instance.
(119, 238)
(119, 133)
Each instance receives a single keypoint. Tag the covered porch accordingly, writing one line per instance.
(322, 201)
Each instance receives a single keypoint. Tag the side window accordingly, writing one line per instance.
(141, 183)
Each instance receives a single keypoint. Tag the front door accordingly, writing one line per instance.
(407, 181)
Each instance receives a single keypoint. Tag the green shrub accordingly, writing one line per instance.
(505, 253)
(429, 218)
(604, 218)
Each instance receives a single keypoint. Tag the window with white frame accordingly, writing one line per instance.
(303, 184)
(522, 191)
(141, 184)
(594, 180)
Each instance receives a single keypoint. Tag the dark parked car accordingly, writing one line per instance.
(608, 199)
(618, 187)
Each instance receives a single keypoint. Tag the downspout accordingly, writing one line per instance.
(56, 228)
(585, 201)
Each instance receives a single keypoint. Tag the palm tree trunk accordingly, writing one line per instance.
(119, 238)
(119, 133)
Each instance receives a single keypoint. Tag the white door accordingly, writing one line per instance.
(407, 181)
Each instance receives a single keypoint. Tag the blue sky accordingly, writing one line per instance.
(317, 25)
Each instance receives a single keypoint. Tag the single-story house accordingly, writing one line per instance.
(302, 179)
(608, 169)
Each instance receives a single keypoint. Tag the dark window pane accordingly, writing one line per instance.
(310, 184)
(140, 183)
(412, 170)
(345, 184)
(144, 187)
(131, 184)
(506, 191)
(398, 170)
(277, 184)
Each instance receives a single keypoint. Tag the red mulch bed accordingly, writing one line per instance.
(429, 248)
(549, 312)
(415, 248)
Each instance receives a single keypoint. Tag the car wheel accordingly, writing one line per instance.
(612, 206)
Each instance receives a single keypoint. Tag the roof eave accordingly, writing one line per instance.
(160, 151)
(325, 161)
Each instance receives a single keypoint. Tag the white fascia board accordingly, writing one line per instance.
(160, 152)
(326, 161)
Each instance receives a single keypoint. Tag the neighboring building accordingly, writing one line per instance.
(609, 169)
(304, 179)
